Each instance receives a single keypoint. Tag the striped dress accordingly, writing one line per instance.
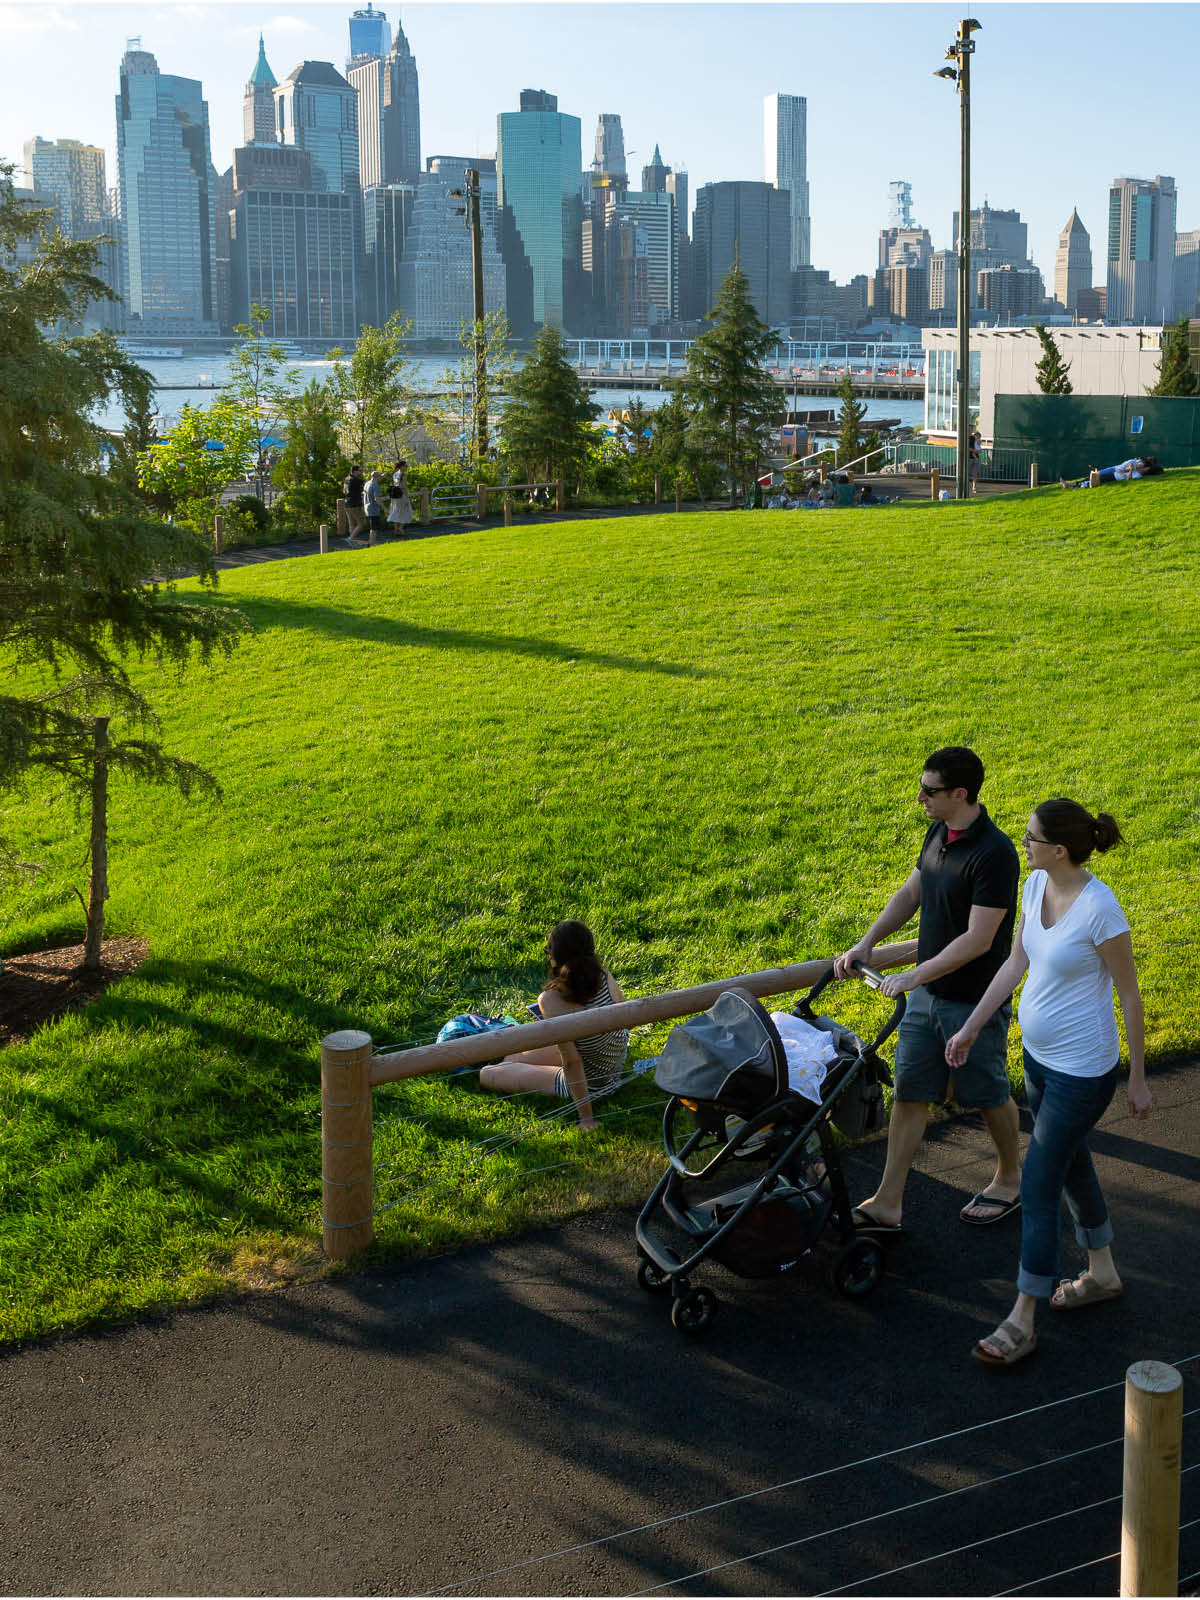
(603, 1054)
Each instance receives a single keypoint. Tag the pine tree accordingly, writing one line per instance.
(80, 558)
(850, 421)
(1176, 375)
(734, 401)
(547, 428)
(1051, 371)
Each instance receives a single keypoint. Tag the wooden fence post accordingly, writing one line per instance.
(346, 1144)
(323, 536)
(1033, 474)
(657, 489)
(1150, 1498)
(343, 521)
(425, 517)
(480, 501)
(935, 483)
(508, 511)
(218, 533)
(678, 496)
(560, 494)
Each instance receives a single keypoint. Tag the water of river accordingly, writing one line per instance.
(192, 380)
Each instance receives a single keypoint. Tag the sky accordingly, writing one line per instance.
(1064, 97)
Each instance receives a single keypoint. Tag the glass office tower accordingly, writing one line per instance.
(164, 164)
(370, 35)
(317, 111)
(389, 116)
(72, 174)
(785, 151)
(539, 160)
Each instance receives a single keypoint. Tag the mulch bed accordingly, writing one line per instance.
(37, 988)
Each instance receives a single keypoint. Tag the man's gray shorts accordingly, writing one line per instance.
(921, 1072)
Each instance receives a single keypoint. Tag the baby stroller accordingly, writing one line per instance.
(726, 1072)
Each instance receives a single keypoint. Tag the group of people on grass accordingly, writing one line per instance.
(365, 498)
(1071, 943)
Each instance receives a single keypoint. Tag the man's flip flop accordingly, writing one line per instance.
(1000, 1209)
(864, 1221)
(1073, 1296)
(1014, 1346)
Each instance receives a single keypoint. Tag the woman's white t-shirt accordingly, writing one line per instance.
(1066, 1009)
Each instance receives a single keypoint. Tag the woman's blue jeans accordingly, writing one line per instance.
(1065, 1110)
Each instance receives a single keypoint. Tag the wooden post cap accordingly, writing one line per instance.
(1154, 1377)
(346, 1039)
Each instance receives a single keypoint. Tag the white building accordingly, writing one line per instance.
(785, 164)
(1122, 361)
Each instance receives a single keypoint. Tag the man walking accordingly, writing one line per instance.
(353, 491)
(965, 887)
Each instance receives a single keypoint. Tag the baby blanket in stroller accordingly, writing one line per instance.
(809, 1051)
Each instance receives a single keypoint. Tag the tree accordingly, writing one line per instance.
(1051, 371)
(850, 421)
(313, 466)
(1176, 376)
(547, 425)
(260, 385)
(375, 389)
(207, 450)
(80, 559)
(674, 457)
(734, 402)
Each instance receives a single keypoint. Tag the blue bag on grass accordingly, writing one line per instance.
(467, 1024)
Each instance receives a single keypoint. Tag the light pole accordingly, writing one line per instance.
(470, 193)
(960, 52)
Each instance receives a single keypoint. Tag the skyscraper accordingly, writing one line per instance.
(387, 217)
(1187, 274)
(1072, 263)
(539, 159)
(752, 220)
(658, 281)
(72, 175)
(258, 103)
(389, 116)
(609, 159)
(1141, 250)
(785, 155)
(370, 35)
(900, 212)
(434, 273)
(163, 163)
(317, 110)
(997, 239)
(654, 174)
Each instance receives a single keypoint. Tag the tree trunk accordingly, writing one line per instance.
(98, 887)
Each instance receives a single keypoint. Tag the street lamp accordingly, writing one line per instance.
(470, 193)
(960, 52)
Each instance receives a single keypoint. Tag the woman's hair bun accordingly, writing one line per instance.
(1105, 832)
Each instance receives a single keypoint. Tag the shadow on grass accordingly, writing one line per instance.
(264, 612)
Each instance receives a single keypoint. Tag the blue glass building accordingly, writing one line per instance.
(539, 162)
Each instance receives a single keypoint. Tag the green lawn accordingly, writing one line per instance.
(700, 733)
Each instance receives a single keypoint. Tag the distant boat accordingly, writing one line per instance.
(151, 352)
(290, 349)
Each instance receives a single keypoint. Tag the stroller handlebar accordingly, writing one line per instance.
(870, 976)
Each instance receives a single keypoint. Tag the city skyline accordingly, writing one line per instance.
(665, 68)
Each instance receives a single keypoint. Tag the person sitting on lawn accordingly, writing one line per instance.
(575, 1070)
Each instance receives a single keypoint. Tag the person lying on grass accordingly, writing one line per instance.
(1074, 940)
(571, 1071)
(1123, 472)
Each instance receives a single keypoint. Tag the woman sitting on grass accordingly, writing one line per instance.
(1074, 939)
(571, 1071)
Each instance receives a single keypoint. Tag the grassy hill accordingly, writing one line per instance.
(701, 734)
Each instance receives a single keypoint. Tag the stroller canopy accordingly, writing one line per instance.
(731, 1053)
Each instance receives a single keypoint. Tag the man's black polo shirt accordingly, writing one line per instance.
(979, 868)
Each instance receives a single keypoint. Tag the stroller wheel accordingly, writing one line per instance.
(858, 1268)
(694, 1312)
(651, 1279)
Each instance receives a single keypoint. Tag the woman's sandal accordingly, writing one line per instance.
(1013, 1343)
(1083, 1291)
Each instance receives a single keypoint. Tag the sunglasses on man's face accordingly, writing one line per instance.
(930, 790)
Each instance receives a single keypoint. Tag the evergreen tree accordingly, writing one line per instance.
(735, 404)
(80, 559)
(1051, 371)
(1176, 376)
(547, 425)
(850, 421)
(313, 466)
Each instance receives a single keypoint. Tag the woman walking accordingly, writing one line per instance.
(575, 1071)
(399, 505)
(1074, 940)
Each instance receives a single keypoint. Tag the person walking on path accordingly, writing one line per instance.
(353, 491)
(373, 504)
(965, 887)
(1074, 940)
(399, 505)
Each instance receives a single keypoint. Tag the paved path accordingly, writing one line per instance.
(527, 1408)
